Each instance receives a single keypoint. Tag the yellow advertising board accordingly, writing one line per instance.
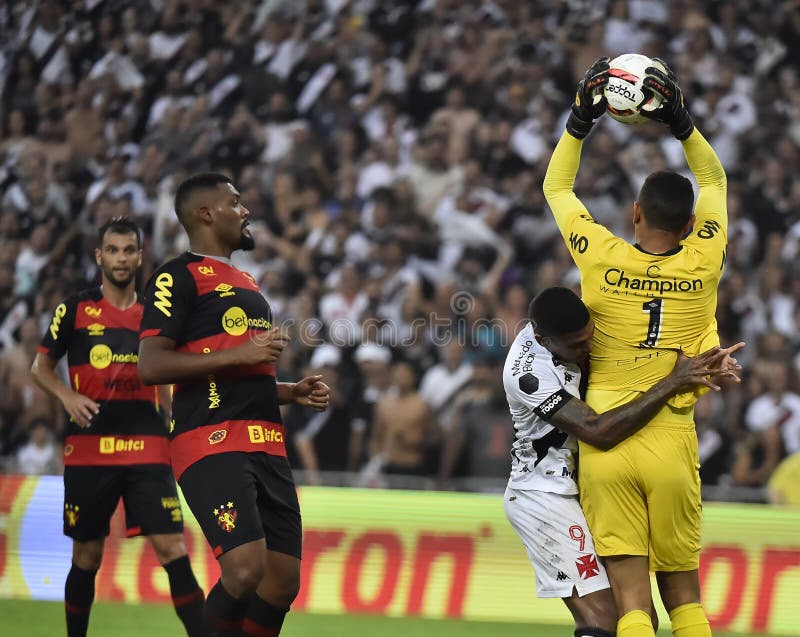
(407, 553)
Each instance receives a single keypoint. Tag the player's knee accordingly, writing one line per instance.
(87, 555)
(168, 548)
(243, 579)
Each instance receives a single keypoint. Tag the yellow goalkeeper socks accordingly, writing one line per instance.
(636, 623)
(689, 620)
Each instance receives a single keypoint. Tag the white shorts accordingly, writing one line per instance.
(559, 544)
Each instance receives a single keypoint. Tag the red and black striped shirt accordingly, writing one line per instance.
(207, 305)
(101, 344)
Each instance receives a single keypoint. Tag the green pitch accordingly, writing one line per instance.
(46, 619)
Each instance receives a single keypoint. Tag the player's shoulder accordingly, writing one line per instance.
(87, 295)
(529, 366)
(172, 270)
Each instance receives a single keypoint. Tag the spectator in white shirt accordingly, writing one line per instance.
(442, 382)
(40, 454)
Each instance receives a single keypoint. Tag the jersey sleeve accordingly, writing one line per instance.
(585, 238)
(540, 391)
(710, 232)
(168, 300)
(57, 338)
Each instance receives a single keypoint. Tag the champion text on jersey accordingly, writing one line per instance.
(618, 278)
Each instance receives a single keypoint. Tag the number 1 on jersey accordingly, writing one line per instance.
(655, 308)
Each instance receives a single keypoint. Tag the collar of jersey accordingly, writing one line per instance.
(668, 253)
(224, 260)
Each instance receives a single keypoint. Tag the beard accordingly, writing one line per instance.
(246, 242)
(115, 279)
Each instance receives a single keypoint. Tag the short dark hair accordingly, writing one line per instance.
(119, 225)
(191, 185)
(667, 200)
(555, 311)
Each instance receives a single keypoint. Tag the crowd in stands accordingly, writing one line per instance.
(391, 155)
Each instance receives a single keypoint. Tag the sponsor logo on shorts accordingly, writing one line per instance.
(217, 436)
(587, 566)
(173, 505)
(226, 516)
(259, 434)
(111, 444)
(71, 514)
(562, 576)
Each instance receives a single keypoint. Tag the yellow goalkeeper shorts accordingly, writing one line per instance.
(643, 496)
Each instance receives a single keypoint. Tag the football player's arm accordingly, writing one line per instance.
(711, 203)
(608, 429)
(309, 392)
(160, 364)
(584, 237)
(55, 343)
(559, 181)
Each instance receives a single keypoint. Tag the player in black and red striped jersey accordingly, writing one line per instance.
(208, 329)
(117, 440)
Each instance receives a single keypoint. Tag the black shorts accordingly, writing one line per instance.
(240, 497)
(148, 492)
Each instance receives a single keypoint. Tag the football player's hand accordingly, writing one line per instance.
(80, 408)
(312, 392)
(697, 371)
(671, 111)
(590, 103)
(262, 347)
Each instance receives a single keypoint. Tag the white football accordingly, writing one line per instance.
(624, 95)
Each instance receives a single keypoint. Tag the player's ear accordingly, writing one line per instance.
(97, 254)
(688, 227)
(637, 212)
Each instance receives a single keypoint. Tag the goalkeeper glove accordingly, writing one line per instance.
(590, 103)
(671, 111)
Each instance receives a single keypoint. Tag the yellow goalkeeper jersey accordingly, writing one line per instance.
(645, 306)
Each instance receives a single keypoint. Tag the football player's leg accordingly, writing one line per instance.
(630, 583)
(152, 509)
(221, 493)
(675, 522)
(280, 515)
(595, 614)
(90, 497)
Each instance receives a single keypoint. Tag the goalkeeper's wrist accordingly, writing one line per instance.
(577, 126)
(682, 126)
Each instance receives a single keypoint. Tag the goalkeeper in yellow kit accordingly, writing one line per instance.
(648, 300)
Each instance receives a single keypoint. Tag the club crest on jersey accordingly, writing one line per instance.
(217, 436)
(96, 329)
(71, 514)
(206, 270)
(226, 517)
(587, 566)
(93, 311)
